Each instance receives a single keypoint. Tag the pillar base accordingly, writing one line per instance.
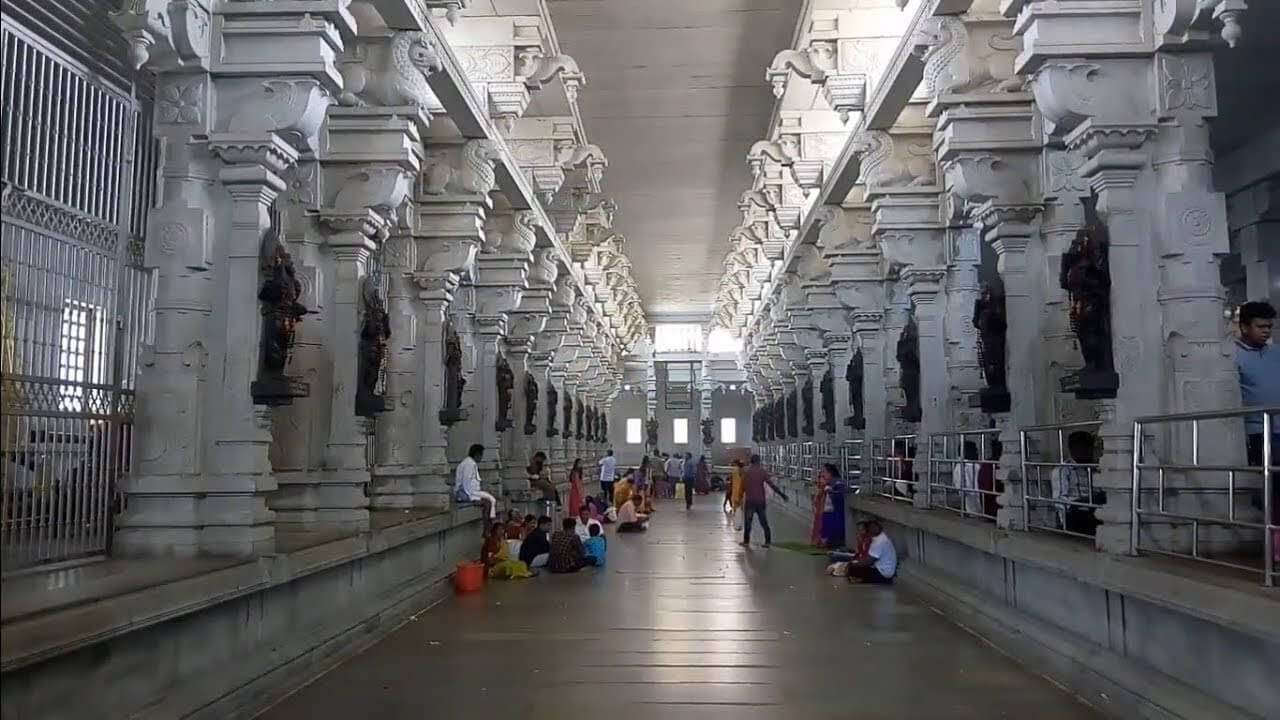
(403, 487)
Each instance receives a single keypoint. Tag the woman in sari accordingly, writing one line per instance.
(622, 489)
(828, 509)
(497, 557)
(642, 476)
(576, 493)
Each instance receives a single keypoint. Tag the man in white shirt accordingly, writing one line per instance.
(608, 473)
(585, 521)
(964, 477)
(466, 482)
(1073, 483)
(881, 563)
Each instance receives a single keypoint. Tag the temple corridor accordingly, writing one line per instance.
(684, 623)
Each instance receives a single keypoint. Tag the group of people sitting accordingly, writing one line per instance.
(874, 559)
(518, 547)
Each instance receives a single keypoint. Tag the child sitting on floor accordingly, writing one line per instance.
(596, 546)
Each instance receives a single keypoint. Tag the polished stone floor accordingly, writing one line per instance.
(684, 624)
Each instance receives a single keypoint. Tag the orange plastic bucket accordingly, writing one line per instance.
(469, 577)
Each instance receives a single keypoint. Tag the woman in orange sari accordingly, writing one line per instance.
(576, 494)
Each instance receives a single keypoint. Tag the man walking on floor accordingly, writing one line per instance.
(689, 475)
(754, 500)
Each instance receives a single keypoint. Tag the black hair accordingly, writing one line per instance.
(755, 459)
(970, 450)
(1256, 310)
(593, 530)
(529, 517)
(568, 523)
(585, 507)
(544, 520)
(832, 470)
(475, 451)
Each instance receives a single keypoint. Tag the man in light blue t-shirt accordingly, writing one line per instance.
(1258, 362)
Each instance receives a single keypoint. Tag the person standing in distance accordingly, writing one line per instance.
(608, 473)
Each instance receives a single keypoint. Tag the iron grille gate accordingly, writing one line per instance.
(76, 300)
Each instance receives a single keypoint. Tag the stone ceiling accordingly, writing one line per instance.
(675, 97)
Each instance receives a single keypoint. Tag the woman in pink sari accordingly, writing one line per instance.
(819, 509)
(576, 494)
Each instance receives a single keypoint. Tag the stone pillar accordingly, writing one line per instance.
(840, 354)
(340, 499)
(868, 329)
(963, 372)
(896, 314)
(396, 474)
(490, 330)
(819, 366)
(433, 444)
(1063, 218)
(928, 302)
(1011, 237)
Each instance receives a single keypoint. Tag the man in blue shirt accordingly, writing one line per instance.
(689, 474)
(1259, 365)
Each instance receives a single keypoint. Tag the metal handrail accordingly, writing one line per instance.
(1033, 477)
(887, 470)
(1266, 467)
(973, 499)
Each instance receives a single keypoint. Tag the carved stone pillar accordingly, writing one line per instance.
(1011, 234)
(840, 353)
(819, 365)
(868, 329)
(963, 373)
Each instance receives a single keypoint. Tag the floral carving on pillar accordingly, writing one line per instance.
(990, 320)
(281, 312)
(375, 332)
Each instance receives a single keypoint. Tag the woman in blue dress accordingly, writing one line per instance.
(831, 491)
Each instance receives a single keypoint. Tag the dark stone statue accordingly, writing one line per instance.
(506, 380)
(828, 391)
(651, 432)
(530, 404)
(990, 320)
(553, 410)
(281, 312)
(853, 378)
(1086, 276)
(604, 427)
(578, 418)
(780, 419)
(708, 431)
(568, 416)
(908, 354)
(375, 332)
(793, 415)
(454, 383)
(806, 408)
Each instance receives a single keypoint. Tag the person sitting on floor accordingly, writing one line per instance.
(630, 519)
(643, 503)
(861, 546)
(567, 553)
(497, 557)
(535, 551)
(585, 522)
(515, 525)
(596, 546)
(881, 561)
(622, 490)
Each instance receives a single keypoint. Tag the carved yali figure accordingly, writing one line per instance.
(506, 382)
(990, 321)
(708, 431)
(375, 332)
(530, 404)
(281, 312)
(853, 378)
(651, 431)
(908, 355)
(1085, 274)
(453, 380)
(553, 409)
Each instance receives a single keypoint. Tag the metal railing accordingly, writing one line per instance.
(849, 460)
(893, 471)
(1188, 499)
(1058, 475)
(961, 472)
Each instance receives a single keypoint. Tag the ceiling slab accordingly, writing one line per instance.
(675, 97)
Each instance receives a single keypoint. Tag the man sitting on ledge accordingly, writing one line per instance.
(466, 482)
(880, 563)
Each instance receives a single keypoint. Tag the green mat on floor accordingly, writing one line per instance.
(799, 547)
